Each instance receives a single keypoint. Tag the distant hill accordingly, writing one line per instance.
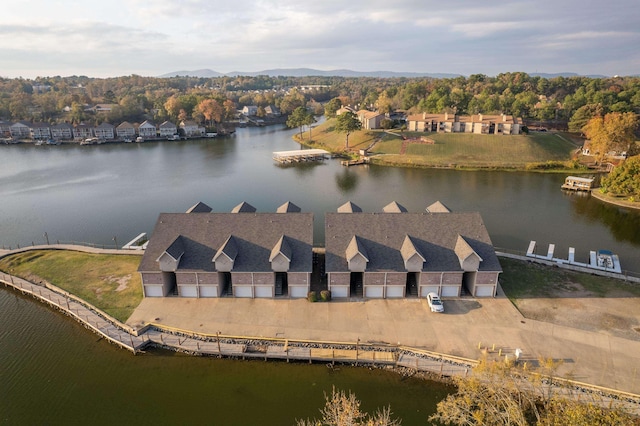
(306, 72)
(564, 74)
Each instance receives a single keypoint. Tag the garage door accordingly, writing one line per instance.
(264, 291)
(242, 291)
(339, 291)
(395, 291)
(424, 290)
(450, 291)
(188, 290)
(298, 292)
(374, 292)
(153, 291)
(209, 291)
(484, 291)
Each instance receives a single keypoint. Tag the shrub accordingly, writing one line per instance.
(312, 296)
(325, 295)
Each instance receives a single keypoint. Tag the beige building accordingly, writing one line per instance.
(477, 123)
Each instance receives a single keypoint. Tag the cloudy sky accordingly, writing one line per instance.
(107, 38)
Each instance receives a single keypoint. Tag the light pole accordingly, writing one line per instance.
(218, 339)
(115, 240)
(46, 237)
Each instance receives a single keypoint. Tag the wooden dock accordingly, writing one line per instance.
(300, 155)
(356, 162)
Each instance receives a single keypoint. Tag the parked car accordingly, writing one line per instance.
(435, 304)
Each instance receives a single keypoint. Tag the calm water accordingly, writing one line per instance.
(53, 371)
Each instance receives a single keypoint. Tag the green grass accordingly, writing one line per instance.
(537, 151)
(109, 282)
(521, 280)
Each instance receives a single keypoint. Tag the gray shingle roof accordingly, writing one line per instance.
(243, 207)
(383, 234)
(438, 207)
(463, 249)
(356, 246)
(288, 207)
(349, 207)
(394, 207)
(283, 247)
(200, 207)
(254, 234)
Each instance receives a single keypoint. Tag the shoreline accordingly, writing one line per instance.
(613, 200)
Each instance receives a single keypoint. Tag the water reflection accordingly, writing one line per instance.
(623, 223)
(346, 181)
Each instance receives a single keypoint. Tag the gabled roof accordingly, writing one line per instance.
(282, 247)
(243, 207)
(438, 207)
(394, 207)
(463, 249)
(199, 207)
(147, 123)
(288, 207)
(254, 236)
(356, 246)
(125, 125)
(175, 249)
(409, 249)
(349, 207)
(167, 124)
(229, 249)
(105, 125)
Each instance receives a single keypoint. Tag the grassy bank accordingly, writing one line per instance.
(109, 282)
(535, 152)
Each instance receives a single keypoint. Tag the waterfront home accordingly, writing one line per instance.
(39, 131)
(82, 131)
(250, 110)
(5, 129)
(104, 131)
(397, 254)
(243, 254)
(167, 129)
(147, 130)
(20, 130)
(62, 131)
(370, 119)
(126, 130)
(191, 128)
(452, 123)
(272, 111)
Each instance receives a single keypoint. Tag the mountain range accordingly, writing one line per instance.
(307, 72)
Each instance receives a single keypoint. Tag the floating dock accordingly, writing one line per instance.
(602, 260)
(297, 156)
(573, 183)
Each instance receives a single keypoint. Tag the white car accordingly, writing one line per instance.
(435, 304)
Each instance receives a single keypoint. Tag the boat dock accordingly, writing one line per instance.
(362, 160)
(603, 260)
(573, 183)
(300, 155)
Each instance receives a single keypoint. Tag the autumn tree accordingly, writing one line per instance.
(211, 110)
(624, 180)
(347, 123)
(581, 117)
(173, 106)
(299, 118)
(342, 409)
(613, 132)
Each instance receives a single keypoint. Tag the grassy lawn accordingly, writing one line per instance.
(521, 280)
(109, 282)
(452, 149)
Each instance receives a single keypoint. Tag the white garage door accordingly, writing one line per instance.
(264, 291)
(339, 291)
(209, 291)
(450, 291)
(153, 291)
(374, 292)
(188, 290)
(424, 290)
(242, 291)
(395, 291)
(484, 291)
(298, 292)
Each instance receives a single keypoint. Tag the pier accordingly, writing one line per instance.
(301, 155)
(601, 261)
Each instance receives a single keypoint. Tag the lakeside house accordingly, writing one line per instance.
(62, 131)
(397, 254)
(83, 131)
(126, 130)
(240, 254)
(167, 129)
(104, 131)
(453, 123)
(390, 254)
(147, 129)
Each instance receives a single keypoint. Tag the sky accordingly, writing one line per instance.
(110, 38)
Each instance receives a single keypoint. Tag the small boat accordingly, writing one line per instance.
(139, 139)
(605, 259)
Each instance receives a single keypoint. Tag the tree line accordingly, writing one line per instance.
(567, 101)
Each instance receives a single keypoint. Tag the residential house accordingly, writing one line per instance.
(126, 130)
(40, 131)
(5, 129)
(62, 131)
(397, 254)
(244, 254)
(452, 123)
(103, 108)
(272, 111)
(344, 109)
(83, 131)
(20, 130)
(105, 131)
(250, 110)
(370, 119)
(167, 129)
(147, 130)
(191, 129)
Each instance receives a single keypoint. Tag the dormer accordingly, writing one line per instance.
(349, 207)
(169, 260)
(394, 207)
(243, 207)
(438, 207)
(280, 257)
(469, 259)
(288, 207)
(200, 207)
(413, 258)
(356, 255)
(226, 255)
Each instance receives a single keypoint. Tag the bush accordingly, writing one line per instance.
(325, 295)
(312, 296)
